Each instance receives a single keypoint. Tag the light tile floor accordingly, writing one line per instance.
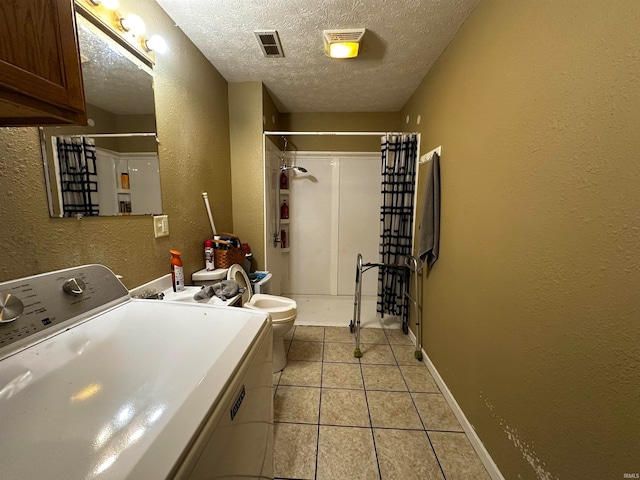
(379, 417)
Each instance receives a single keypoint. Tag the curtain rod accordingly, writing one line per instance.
(108, 135)
(338, 133)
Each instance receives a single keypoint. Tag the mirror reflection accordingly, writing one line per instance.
(109, 167)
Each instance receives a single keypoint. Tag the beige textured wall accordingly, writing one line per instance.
(532, 310)
(247, 173)
(193, 127)
(272, 117)
(338, 122)
(105, 122)
(140, 124)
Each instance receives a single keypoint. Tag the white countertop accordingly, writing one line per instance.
(187, 294)
(163, 284)
(120, 395)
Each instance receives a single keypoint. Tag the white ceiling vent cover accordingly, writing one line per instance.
(345, 35)
(269, 43)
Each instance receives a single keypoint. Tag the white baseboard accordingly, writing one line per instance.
(477, 444)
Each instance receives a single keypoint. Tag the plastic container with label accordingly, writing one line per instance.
(177, 271)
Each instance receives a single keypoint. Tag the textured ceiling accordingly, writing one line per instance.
(112, 81)
(402, 42)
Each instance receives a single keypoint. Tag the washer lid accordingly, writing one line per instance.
(122, 394)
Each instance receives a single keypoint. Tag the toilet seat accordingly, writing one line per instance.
(237, 273)
(281, 309)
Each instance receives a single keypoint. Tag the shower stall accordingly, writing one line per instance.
(334, 213)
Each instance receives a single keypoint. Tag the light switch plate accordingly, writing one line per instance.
(161, 226)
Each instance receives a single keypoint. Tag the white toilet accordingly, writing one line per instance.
(283, 311)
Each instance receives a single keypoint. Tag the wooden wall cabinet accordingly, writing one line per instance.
(40, 74)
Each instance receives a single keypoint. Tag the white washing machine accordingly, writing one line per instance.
(96, 385)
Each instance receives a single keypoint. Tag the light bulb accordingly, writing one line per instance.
(110, 4)
(157, 44)
(133, 24)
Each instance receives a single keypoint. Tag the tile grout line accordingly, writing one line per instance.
(419, 416)
(435, 454)
(369, 427)
(373, 437)
(315, 474)
(423, 425)
(426, 432)
(349, 426)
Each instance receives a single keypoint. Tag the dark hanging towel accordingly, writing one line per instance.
(399, 156)
(78, 176)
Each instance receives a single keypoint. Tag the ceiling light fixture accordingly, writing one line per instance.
(342, 43)
(127, 30)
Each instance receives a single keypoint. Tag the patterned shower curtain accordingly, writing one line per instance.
(78, 176)
(399, 158)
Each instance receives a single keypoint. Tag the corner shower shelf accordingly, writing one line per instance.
(284, 222)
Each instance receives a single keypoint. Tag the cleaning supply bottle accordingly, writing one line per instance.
(177, 272)
(284, 210)
(209, 262)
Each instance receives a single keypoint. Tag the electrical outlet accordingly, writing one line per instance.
(161, 225)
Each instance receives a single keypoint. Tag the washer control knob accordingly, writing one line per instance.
(74, 286)
(11, 307)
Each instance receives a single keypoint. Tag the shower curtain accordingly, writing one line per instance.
(399, 155)
(76, 160)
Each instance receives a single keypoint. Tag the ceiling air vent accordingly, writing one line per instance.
(344, 35)
(269, 43)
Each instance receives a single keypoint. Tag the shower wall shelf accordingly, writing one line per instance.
(284, 222)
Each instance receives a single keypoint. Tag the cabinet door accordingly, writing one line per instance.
(40, 76)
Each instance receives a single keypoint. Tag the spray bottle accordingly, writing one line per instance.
(209, 262)
(177, 272)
